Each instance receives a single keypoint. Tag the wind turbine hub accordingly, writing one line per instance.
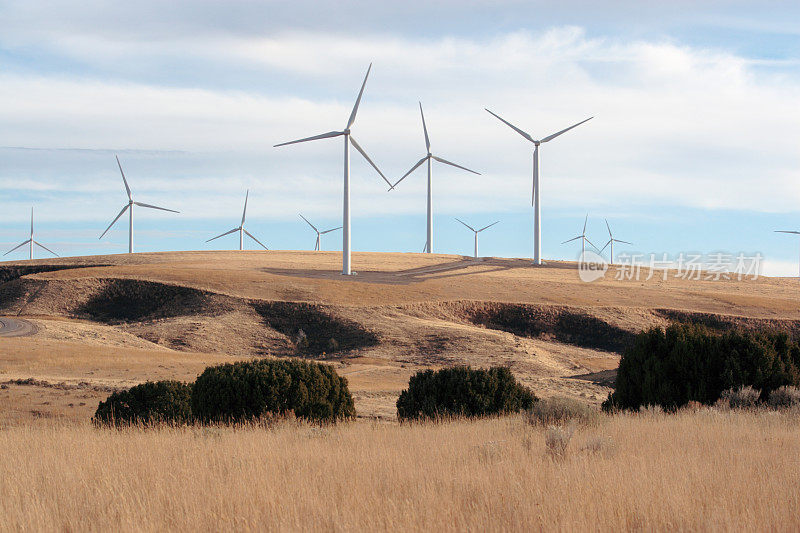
(537, 143)
(347, 131)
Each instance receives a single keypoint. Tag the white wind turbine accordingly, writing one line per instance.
(535, 199)
(348, 140)
(31, 241)
(428, 158)
(787, 231)
(317, 246)
(129, 207)
(476, 231)
(582, 237)
(240, 229)
(611, 241)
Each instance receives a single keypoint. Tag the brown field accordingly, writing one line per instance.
(693, 471)
(107, 322)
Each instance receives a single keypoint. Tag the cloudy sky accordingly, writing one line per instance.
(695, 145)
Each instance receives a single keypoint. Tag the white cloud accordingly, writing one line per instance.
(674, 125)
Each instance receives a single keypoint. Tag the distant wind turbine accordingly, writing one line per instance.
(317, 246)
(240, 229)
(428, 158)
(348, 139)
(31, 241)
(787, 231)
(536, 197)
(611, 241)
(476, 231)
(582, 237)
(129, 207)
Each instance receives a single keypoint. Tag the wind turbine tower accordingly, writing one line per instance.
(31, 241)
(476, 231)
(129, 207)
(537, 193)
(240, 229)
(428, 158)
(348, 140)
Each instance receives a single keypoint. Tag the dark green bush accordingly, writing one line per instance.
(148, 403)
(249, 390)
(462, 391)
(690, 363)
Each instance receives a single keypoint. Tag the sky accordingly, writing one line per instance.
(695, 144)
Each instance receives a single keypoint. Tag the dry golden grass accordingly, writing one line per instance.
(693, 471)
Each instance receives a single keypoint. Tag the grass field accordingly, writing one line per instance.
(693, 471)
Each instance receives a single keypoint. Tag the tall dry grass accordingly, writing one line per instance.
(703, 470)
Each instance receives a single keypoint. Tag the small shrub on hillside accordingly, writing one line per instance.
(149, 403)
(463, 391)
(784, 397)
(559, 410)
(740, 398)
(690, 363)
(250, 390)
(557, 438)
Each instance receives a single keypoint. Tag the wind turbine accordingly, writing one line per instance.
(476, 231)
(611, 242)
(535, 199)
(31, 242)
(428, 158)
(319, 233)
(241, 229)
(348, 140)
(778, 231)
(129, 207)
(582, 237)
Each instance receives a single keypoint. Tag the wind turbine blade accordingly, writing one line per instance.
(31, 223)
(584, 223)
(314, 138)
(590, 242)
(307, 222)
(487, 227)
(446, 162)
(140, 204)
(467, 225)
(244, 212)
(606, 245)
(358, 100)
(786, 231)
(609, 228)
(573, 239)
(623, 242)
(128, 189)
(115, 220)
(330, 230)
(362, 152)
(553, 136)
(415, 167)
(18, 246)
(259, 242)
(513, 127)
(223, 234)
(45, 248)
(425, 129)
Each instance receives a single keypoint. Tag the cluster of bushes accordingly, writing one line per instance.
(689, 363)
(463, 391)
(785, 397)
(233, 393)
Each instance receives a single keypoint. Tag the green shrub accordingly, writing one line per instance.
(148, 403)
(462, 391)
(690, 363)
(250, 390)
(560, 409)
